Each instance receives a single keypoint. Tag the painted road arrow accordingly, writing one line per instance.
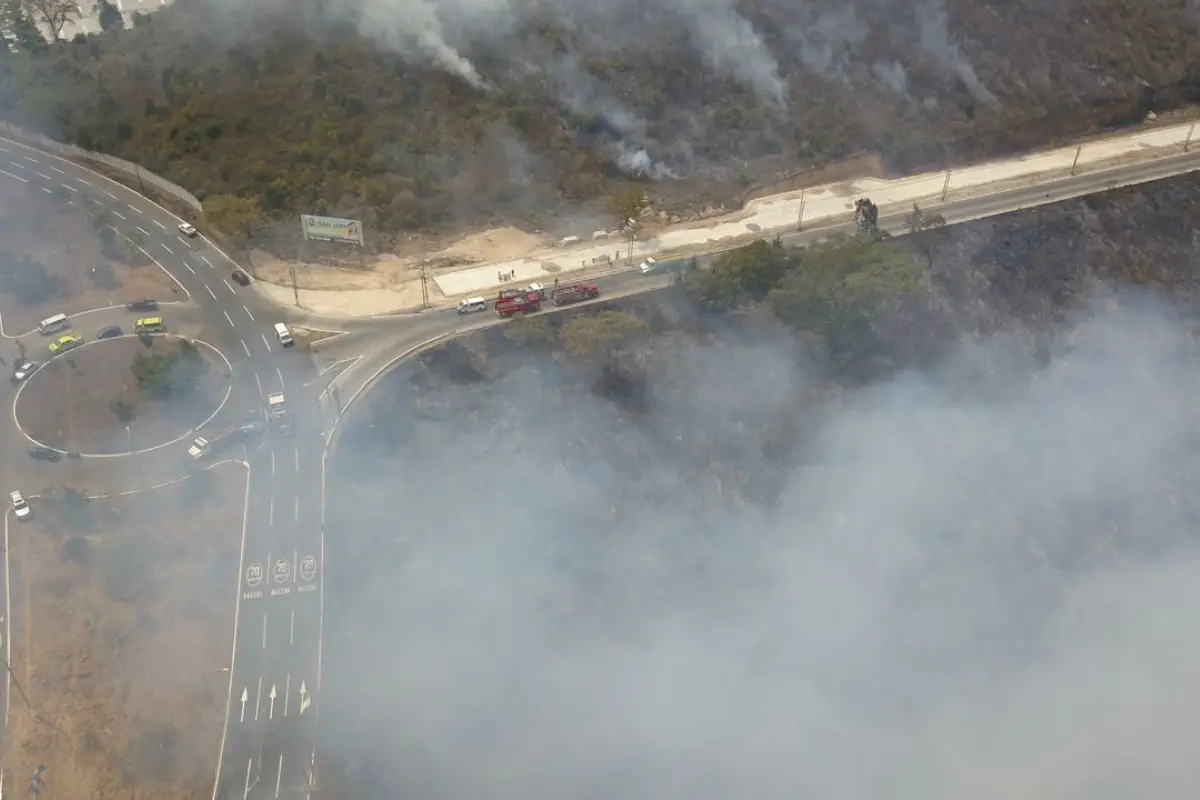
(245, 697)
(305, 700)
(271, 714)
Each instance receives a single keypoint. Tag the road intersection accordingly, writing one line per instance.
(268, 744)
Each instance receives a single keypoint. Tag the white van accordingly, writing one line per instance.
(471, 305)
(49, 325)
(285, 336)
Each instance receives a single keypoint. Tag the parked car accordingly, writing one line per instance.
(240, 278)
(44, 453)
(22, 370)
(20, 506)
(145, 304)
(66, 342)
(187, 230)
(109, 332)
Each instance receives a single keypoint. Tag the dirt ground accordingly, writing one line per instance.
(67, 244)
(121, 633)
(68, 403)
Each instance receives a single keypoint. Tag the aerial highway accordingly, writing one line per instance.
(268, 745)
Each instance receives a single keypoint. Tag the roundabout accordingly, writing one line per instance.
(116, 397)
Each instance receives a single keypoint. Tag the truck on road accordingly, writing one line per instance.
(575, 293)
(213, 443)
(278, 414)
(525, 303)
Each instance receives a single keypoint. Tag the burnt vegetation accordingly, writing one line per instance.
(265, 110)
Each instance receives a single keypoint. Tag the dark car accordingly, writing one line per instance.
(240, 277)
(143, 305)
(252, 428)
(109, 332)
(44, 453)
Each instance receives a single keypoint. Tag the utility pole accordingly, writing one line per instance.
(1078, 150)
(946, 184)
(295, 288)
(424, 288)
(800, 216)
(1188, 141)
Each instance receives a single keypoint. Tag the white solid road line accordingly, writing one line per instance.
(266, 344)
(279, 372)
(210, 291)
(227, 286)
(189, 268)
(248, 314)
(69, 187)
(107, 193)
(279, 775)
(118, 215)
(164, 247)
(264, 635)
(143, 231)
(159, 224)
(244, 346)
(228, 318)
(11, 175)
(134, 209)
(249, 764)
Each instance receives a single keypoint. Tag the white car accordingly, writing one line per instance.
(199, 447)
(23, 371)
(187, 230)
(648, 266)
(20, 506)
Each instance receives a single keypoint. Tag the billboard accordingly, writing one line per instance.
(332, 229)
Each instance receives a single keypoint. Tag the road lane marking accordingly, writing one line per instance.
(30, 158)
(159, 224)
(249, 764)
(189, 268)
(272, 459)
(69, 187)
(264, 636)
(266, 344)
(210, 291)
(280, 374)
(143, 231)
(5, 149)
(248, 314)
(44, 176)
(260, 391)
(134, 209)
(84, 182)
(228, 286)
(107, 193)
(59, 171)
(118, 215)
(92, 200)
(279, 775)
(292, 636)
(271, 514)
(206, 261)
(228, 318)
(287, 686)
(184, 242)
(297, 510)
(244, 346)
(9, 174)
(47, 191)
(257, 699)
(297, 454)
(15, 164)
(164, 247)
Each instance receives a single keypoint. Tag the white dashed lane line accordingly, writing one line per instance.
(48, 191)
(11, 175)
(5, 149)
(266, 344)
(143, 231)
(30, 158)
(118, 215)
(206, 261)
(246, 348)
(159, 224)
(228, 319)
(189, 268)
(134, 209)
(248, 314)
(227, 286)
(84, 182)
(44, 176)
(15, 164)
(164, 247)
(109, 194)
(184, 242)
(279, 372)
(69, 187)
(210, 291)
(56, 169)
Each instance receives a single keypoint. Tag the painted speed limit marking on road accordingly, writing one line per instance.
(308, 568)
(254, 574)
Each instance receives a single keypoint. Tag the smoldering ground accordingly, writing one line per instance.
(979, 580)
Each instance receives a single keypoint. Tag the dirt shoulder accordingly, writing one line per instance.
(120, 632)
(80, 263)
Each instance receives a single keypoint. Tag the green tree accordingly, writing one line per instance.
(531, 332)
(866, 216)
(108, 15)
(27, 280)
(747, 273)
(122, 408)
(600, 335)
(171, 374)
(629, 204)
(238, 217)
(28, 37)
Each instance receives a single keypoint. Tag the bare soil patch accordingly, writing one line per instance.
(75, 401)
(65, 239)
(121, 632)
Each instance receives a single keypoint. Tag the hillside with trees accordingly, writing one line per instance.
(276, 108)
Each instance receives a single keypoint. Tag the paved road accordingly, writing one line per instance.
(268, 750)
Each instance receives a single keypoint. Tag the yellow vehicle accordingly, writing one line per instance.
(149, 325)
(66, 342)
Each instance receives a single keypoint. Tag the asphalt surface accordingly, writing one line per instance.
(268, 746)
(268, 750)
